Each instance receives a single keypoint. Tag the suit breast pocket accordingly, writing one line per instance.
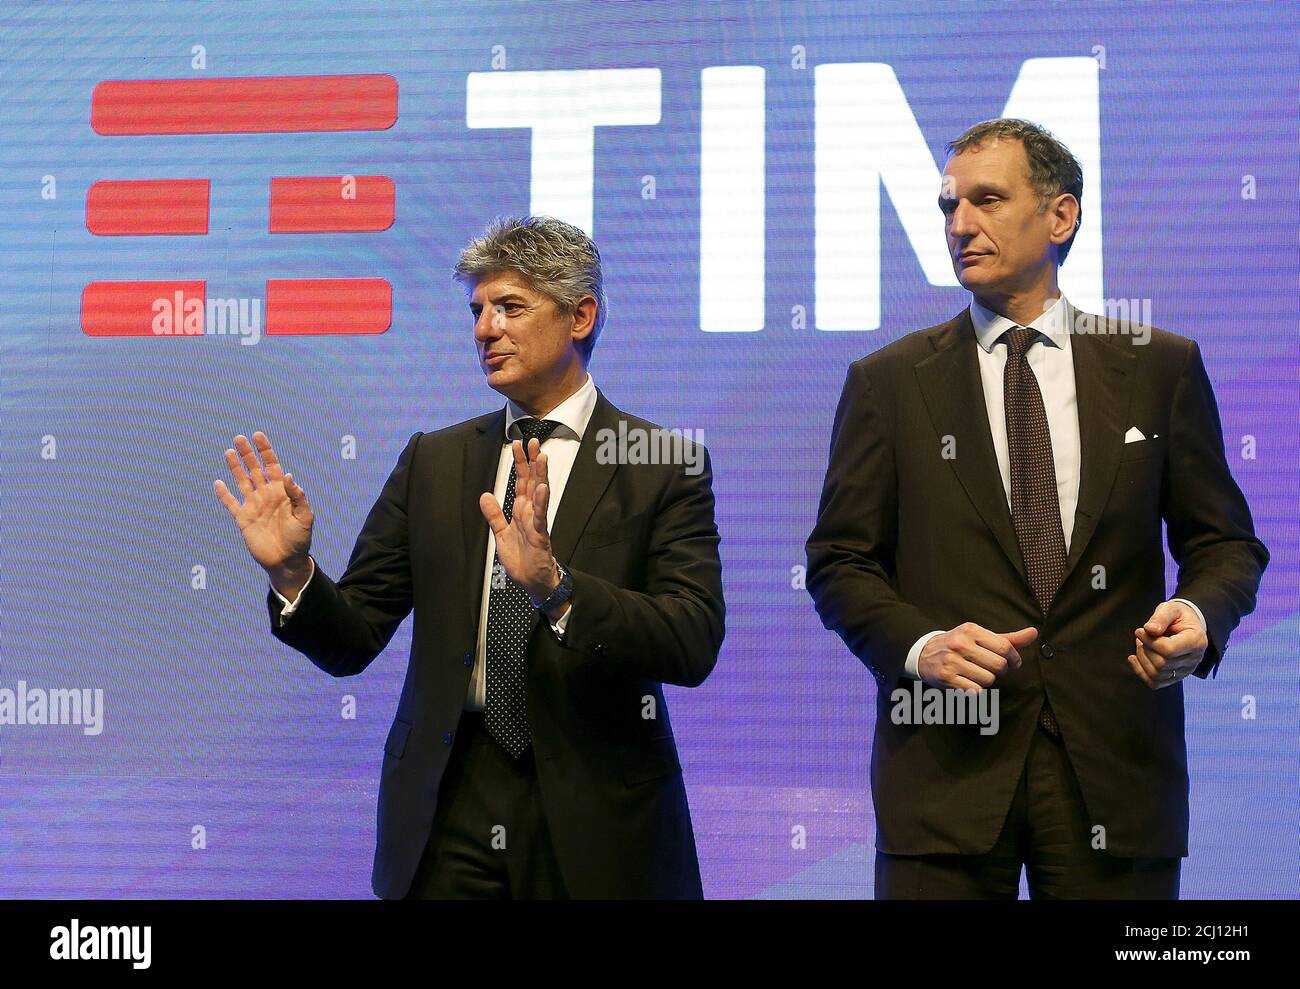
(1142, 450)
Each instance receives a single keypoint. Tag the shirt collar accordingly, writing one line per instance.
(1053, 324)
(572, 414)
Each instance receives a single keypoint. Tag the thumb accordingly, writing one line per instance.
(297, 497)
(491, 510)
(1022, 637)
(1161, 618)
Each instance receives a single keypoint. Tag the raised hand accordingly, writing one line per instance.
(274, 517)
(523, 542)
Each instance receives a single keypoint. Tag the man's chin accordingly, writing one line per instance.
(502, 381)
(972, 280)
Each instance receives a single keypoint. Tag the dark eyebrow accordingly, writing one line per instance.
(978, 191)
(502, 300)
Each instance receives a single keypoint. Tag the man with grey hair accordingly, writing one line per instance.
(991, 520)
(555, 591)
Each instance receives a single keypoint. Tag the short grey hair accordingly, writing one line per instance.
(557, 258)
(1052, 168)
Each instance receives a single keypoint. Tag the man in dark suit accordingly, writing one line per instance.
(991, 521)
(557, 584)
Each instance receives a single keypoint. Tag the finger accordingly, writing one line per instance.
(225, 497)
(1142, 674)
(1178, 672)
(968, 671)
(985, 659)
(961, 683)
(240, 475)
(541, 494)
(1162, 618)
(1151, 664)
(274, 471)
(1171, 646)
(491, 509)
(1022, 637)
(251, 464)
(531, 450)
(1157, 680)
(540, 470)
(1167, 678)
(1153, 645)
(521, 470)
(1001, 646)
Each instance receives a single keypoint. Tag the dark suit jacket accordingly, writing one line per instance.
(907, 541)
(647, 609)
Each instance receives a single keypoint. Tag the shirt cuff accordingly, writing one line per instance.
(560, 624)
(1204, 628)
(912, 666)
(291, 606)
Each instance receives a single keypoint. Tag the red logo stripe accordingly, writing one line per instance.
(143, 309)
(317, 204)
(148, 206)
(328, 305)
(244, 105)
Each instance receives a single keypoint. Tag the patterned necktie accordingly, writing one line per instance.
(1035, 504)
(510, 616)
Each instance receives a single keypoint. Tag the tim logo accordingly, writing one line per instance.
(298, 204)
(866, 140)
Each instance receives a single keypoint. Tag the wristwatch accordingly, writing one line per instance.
(560, 594)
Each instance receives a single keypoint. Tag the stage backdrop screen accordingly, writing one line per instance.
(761, 179)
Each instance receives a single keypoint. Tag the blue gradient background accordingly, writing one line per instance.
(210, 721)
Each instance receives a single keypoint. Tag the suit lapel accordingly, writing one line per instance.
(481, 456)
(1104, 381)
(954, 394)
(587, 482)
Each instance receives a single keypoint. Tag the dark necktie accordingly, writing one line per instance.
(510, 616)
(1035, 505)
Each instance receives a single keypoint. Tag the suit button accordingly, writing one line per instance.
(598, 648)
(1046, 651)
(446, 739)
(467, 659)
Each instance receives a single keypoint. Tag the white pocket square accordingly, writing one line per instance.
(1133, 435)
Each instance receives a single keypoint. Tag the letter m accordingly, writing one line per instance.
(866, 136)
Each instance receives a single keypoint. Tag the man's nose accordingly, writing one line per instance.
(961, 221)
(485, 327)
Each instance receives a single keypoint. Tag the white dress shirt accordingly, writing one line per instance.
(573, 415)
(1052, 362)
